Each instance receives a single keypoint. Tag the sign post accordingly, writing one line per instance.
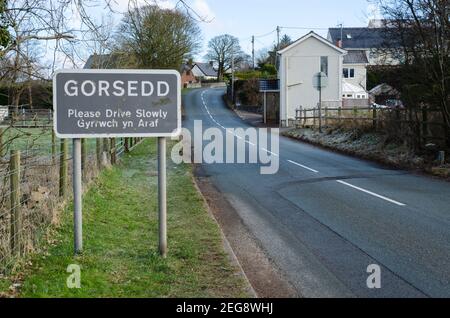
(77, 197)
(117, 104)
(320, 82)
(162, 195)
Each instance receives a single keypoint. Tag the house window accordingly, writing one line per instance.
(324, 64)
(349, 73)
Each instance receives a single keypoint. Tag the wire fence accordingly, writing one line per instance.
(35, 178)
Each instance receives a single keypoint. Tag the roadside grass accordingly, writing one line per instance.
(121, 240)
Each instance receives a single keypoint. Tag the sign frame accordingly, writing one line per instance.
(320, 81)
(173, 134)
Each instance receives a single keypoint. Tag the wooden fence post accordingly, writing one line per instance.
(63, 168)
(314, 118)
(2, 146)
(113, 151)
(326, 116)
(98, 152)
(53, 146)
(16, 218)
(339, 115)
(127, 145)
(298, 116)
(375, 118)
(106, 145)
(424, 125)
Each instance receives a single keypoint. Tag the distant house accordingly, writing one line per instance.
(300, 62)
(188, 79)
(354, 74)
(366, 46)
(371, 40)
(204, 71)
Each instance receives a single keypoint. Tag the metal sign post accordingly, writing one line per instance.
(117, 104)
(77, 197)
(320, 82)
(162, 194)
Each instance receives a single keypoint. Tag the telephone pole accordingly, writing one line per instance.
(278, 37)
(253, 51)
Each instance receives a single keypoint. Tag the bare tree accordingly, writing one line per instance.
(422, 29)
(223, 50)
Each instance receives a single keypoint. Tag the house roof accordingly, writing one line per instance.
(185, 67)
(207, 69)
(310, 35)
(356, 57)
(359, 38)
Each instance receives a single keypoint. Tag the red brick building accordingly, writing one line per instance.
(187, 76)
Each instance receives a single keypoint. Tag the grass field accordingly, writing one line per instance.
(121, 239)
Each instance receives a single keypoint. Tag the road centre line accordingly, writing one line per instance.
(371, 193)
(300, 165)
(303, 166)
(229, 132)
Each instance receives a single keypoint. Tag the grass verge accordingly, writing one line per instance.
(121, 240)
(373, 146)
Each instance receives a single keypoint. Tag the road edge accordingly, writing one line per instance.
(269, 283)
(226, 244)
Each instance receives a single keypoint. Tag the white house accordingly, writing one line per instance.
(299, 64)
(354, 74)
(204, 71)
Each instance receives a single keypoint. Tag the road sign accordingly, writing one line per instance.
(320, 81)
(117, 103)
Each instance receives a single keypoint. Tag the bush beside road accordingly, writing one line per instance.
(121, 241)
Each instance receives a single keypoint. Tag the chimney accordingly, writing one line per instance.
(211, 63)
(339, 43)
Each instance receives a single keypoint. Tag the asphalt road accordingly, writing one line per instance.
(325, 217)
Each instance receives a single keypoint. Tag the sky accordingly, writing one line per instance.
(244, 18)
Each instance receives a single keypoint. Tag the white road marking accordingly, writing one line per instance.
(296, 163)
(303, 166)
(270, 152)
(371, 193)
(229, 132)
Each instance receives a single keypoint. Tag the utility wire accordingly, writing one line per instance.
(302, 28)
